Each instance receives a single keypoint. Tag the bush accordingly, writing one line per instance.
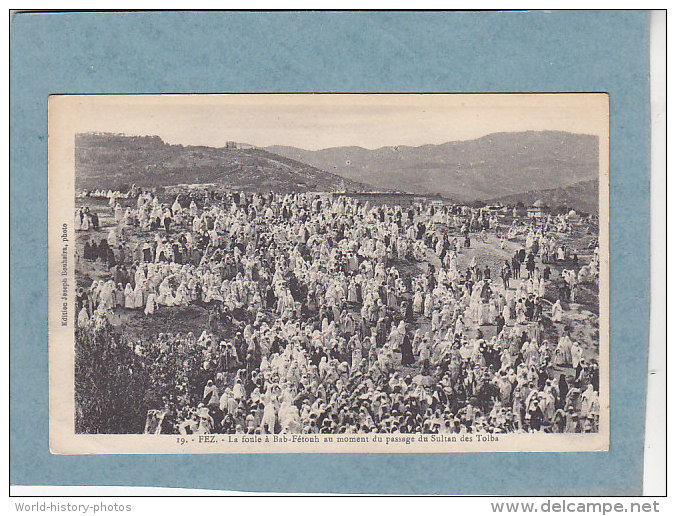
(115, 387)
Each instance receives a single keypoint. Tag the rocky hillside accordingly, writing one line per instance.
(118, 161)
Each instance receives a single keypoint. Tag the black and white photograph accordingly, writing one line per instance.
(328, 273)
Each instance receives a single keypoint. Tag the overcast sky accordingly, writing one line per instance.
(321, 121)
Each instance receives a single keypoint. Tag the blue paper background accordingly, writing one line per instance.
(193, 52)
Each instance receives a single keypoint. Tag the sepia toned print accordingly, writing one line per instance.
(328, 273)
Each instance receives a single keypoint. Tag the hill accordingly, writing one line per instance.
(582, 196)
(495, 165)
(117, 161)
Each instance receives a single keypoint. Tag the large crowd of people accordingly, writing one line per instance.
(331, 315)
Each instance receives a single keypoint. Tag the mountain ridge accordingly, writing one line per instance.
(491, 166)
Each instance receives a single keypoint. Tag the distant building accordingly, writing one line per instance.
(573, 216)
(538, 209)
(235, 145)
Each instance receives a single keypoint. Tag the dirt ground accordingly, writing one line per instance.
(581, 317)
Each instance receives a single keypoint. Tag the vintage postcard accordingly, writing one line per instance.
(328, 273)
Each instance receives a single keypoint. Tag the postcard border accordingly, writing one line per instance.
(524, 63)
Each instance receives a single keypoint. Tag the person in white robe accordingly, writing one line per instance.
(112, 237)
(129, 301)
(269, 412)
(589, 402)
(576, 353)
(107, 295)
(563, 353)
(182, 297)
(119, 213)
(137, 296)
(151, 304)
(418, 301)
(165, 296)
(557, 312)
(83, 318)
